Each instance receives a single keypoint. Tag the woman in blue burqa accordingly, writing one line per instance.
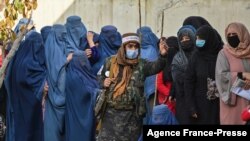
(78, 35)
(81, 89)
(75, 30)
(110, 41)
(57, 48)
(150, 52)
(45, 32)
(24, 82)
(23, 22)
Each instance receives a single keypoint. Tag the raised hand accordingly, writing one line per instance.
(163, 47)
(90, 37)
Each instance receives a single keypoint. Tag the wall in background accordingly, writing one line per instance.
(124, 13)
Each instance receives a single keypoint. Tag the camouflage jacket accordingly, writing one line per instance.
(133, 96)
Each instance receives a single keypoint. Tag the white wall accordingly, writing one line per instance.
(48, 11)
(124, 13)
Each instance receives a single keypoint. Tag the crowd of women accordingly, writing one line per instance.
(53, 82)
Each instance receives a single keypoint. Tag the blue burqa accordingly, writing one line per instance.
(150, 52)
(45, 32)
(95, 56)
(56, 50)
(81, 91)
(76, 30)
(24, 82)
(161, 115)
(84, 42)
(109, 42)
(21, 22)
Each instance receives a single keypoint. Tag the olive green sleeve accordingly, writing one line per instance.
(151, 68)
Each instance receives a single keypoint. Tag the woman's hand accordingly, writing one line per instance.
(90, 37)
(69, 57)
(194, 115)
(246, 75)
(247, 84)
(88, 52)
(171, 99)
(163, 47)
(46, 88)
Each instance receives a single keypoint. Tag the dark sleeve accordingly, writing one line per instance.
(95, 55)
(172, 91)
(239, 75)
(189, 86)
(2, 93)
(151, 68)
(3, 100)
(177, 73)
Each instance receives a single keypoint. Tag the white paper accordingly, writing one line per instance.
(241, 92)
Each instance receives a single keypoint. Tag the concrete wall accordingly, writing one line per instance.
(124, 13)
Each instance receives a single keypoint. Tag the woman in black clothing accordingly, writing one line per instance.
(197, 22)
(200, 89)
(186, 41)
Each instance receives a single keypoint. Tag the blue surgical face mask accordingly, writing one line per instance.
(200, 43)
(132, 54)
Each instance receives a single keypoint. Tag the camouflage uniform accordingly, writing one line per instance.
(122, 120)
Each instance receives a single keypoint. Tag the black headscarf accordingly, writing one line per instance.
(189, 31)
(210, 50)
(180, 60)
(172, 43)
(212, 45)
(197, 22)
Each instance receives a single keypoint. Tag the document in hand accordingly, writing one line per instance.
(237, 89)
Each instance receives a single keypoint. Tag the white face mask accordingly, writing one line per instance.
(132, 54)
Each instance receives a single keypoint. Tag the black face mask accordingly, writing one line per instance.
(233, 41)
(187, 45)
